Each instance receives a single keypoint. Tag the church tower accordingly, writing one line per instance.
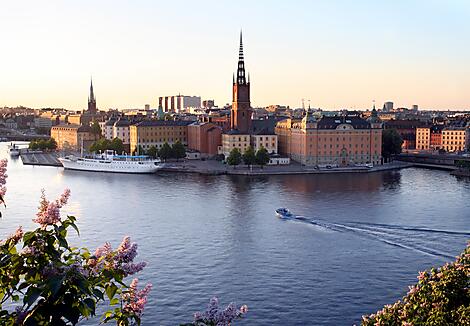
(240, 118)
(91, 101)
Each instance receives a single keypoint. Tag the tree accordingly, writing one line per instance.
(234, 158)
(441, 297)
(262, 156)
(178, 151)
(152, 151)
(165, 151)
(95, 128)
(249, 157)
(391, 143)
(52, 283)
(116, 145)
(43, 144)
(100, 145)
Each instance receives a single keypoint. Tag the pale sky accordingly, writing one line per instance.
(338, 54)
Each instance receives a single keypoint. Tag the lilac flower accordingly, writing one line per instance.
(135, 300)
(214, 316)
(49, 212)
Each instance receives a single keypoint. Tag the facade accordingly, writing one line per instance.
(339, 140)
(423, 138)
(121, 130)
(407, 130)
(269, 142)
(454, 139)
(205, 138)
(150, 133)
(72, 137)
(234, 139)
(42, 122)
(429, 138)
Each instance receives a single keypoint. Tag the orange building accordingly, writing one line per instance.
(72, 137)
(339, 140)
(205, 138)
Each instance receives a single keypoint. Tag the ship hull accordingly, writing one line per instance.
(110, 166)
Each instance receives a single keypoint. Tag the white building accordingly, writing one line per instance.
(121, 130)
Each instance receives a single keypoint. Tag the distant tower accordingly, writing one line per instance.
(241, 108)
(91, 100)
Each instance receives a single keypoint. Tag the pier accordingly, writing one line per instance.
(39, 158)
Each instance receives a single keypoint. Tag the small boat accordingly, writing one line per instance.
(13, 150)
(284, 213)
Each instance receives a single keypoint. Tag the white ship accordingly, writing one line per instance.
(109, 162)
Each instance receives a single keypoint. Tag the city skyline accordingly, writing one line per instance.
(336, 55)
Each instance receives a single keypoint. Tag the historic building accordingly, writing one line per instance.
(73, 137)
(92, 101)
(242, 133)
(148, 133)
(338, 140)
(204, 137)
(454, 139)
(429, 138)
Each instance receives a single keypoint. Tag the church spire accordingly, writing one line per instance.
(241, 80)
(92, 95)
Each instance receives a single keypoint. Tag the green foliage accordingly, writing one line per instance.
(53, 283)
(165, 151)
(391, 143)
(441, 297)
(249, 157)
(104, 144)
(178, 151)
(95, 128)
(152, 151)
(43, 144)
(235, 157)
(463, 164)
(262, 156)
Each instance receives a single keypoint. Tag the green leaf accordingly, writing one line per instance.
(75, 227)
(55, 284)
(111, 290)
(31, 296)
(97, 293)
(90, 303)
(114, 301)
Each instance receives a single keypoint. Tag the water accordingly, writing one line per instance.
(360, 239)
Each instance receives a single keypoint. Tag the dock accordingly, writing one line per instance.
(39, 158)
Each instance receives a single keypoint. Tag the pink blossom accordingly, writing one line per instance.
(422, 275)
(413, 289)
(135, 300)
(49, 212)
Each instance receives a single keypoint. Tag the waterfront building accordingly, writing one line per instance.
(423, 138)
(205, 138)
(107, 127)
(407, 130)
(337, 140)
(121, 130)
(148, 133)
(243, 130)
(454, 139)
(72, 136)
(429, 138)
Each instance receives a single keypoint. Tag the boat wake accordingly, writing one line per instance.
(423, 240)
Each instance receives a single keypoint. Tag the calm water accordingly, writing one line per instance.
(359, 245)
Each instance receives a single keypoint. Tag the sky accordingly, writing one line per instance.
(335, 53)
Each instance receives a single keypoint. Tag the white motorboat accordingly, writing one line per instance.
(109, 162)
(284, 213)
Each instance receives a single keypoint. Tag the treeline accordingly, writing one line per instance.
(176, 151)
(249, 157)
(105, 144)
(43, 144)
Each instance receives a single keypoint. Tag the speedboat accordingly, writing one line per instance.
(13, 150)
(284, 213)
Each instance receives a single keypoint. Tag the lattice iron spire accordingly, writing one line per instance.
(241, 79)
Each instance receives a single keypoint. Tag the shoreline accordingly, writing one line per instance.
(210, 167)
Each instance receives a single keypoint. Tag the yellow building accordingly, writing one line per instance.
(269, 142)
(423, 138)
(337, 140)
(233, 139)
(150, 133)
(72, 137)
(454, 139)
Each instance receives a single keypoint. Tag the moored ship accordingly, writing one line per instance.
(109, 162)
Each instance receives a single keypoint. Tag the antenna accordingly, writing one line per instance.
(303, 104)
